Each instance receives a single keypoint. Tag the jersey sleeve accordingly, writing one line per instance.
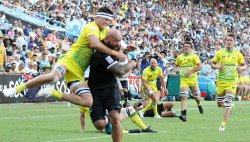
(177, 62)
(92, 30)
(216, 57)
(196, 59)
(241, 59)
(144, 74)
(106, 60)
(159, 71)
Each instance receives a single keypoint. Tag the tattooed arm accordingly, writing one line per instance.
(122, 69)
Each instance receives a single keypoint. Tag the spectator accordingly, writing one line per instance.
(3, 56)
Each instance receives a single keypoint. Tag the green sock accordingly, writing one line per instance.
(20, 88)
(148, 107)
(135, 118)
(57, 94)
(154, 106)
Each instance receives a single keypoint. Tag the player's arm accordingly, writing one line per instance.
(242, 67)
(121, 70)
(144, 83)
(96, 44)
(176, 69)
(177, 66)
(197, 68)
(198, 64)
(215, 65)
(163, 84)
(242, 64)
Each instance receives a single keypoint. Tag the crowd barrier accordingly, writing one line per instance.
(9, 81)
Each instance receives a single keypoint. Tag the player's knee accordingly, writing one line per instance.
(195, 95)
(170, 105)
(184, 96)
(130, 110)
(99, 124)
(220, 104)
(115, 120)
(228, 101)
(51, 77)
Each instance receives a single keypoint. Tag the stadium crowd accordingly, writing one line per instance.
(156, 28)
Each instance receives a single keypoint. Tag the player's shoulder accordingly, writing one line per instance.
(221, 51)
(147, 69)
(192, 54)
(91, 26)
(237, 52)
(158, 68)
(180, 56)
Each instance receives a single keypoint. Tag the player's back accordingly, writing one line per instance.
(80, 51)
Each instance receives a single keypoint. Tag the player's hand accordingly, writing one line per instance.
(131, 47)
(150, 91)
(221, 67)
(120, 56)
(188, 72)
(239, 69)
(165, 90)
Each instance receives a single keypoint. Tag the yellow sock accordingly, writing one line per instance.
(148, 107)
(57, 94)
(154, 106)
(223, 123)
(135, 118)
(20, 88)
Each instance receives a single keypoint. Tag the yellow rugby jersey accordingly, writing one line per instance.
(230, 60)
(187, 62)
(79, 51)
(150, 76)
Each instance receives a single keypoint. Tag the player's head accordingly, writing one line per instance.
(153, 63)
(113, 39)
(103, 17)
(187, 47)
(230, 41)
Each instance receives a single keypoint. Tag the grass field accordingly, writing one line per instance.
(55, 122)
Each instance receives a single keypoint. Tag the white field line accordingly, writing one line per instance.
(100, 137)
(70, 115)
(38, 116)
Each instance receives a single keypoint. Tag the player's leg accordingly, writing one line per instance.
(154, 98)
(112, 101)
(117, 130)
(84, 111)
(82, 118)
(57, 72)
(184, 94)
(80, 94)
(229, 92)
(98, 112)
(167, 109)
(149, 106)
(134, 117)
(196, 94)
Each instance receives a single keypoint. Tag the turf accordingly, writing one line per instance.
(55, 122)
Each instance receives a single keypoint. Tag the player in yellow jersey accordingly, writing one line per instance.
(72, 65)
(229, 61)
(187, 64)
(245, 80)
(149, 78)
